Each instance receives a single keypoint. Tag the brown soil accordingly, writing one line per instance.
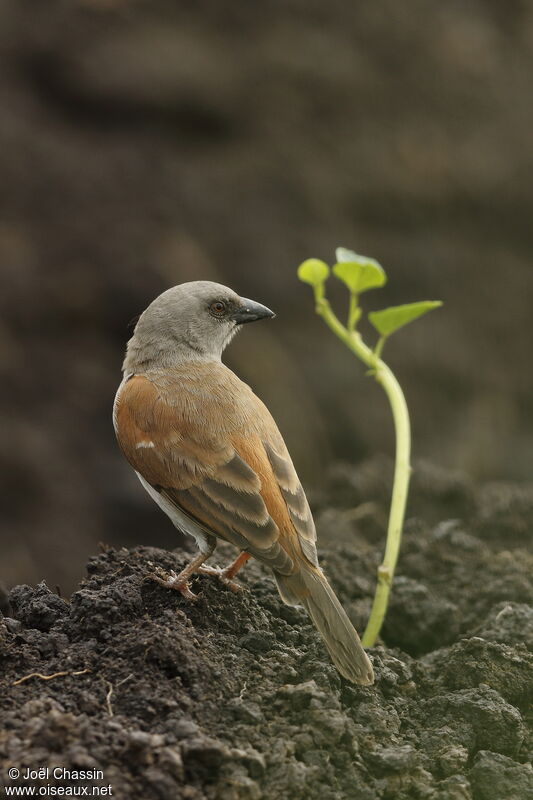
(234, 698)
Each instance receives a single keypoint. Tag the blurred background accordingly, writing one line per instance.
(147, 143)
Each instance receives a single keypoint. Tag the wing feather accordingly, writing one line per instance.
(294, 496)
(243, 488)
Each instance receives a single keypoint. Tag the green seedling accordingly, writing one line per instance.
(360, 274)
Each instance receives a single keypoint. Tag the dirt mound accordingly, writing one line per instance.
(234, 697)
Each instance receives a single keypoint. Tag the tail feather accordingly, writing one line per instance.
(312, 590)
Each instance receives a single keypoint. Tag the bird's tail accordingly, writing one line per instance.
(312, 590)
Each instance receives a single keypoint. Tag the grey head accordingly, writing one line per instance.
(192, 321)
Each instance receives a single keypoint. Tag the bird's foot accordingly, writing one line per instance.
(171, 580)
(224, 575)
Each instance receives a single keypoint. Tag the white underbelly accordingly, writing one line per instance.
(180, 520)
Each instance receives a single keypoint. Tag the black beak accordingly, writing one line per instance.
(250, 311)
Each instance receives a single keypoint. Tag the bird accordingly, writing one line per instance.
(210, 454)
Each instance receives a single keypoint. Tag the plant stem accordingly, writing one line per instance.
(378, 349)
(354, 312)
(402, 469)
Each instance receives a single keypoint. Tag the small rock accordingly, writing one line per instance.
(474, 661)
(37, 607)
(97, 608)
(496, 776)
(494, 723)
(252, 760)
(316, 758)
(258, 642)
(393, 759)
(185, 729)
(13, 625)
(170, 760)
(246, 711)
(379, 720)
(141, 740)
(80, 758)
(456, 787)
(236, 787)
(300, 696)
(391, 672)
(328, 726)
(164, 785)
(204, 756)
(446, 755)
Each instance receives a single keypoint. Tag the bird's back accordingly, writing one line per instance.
(205, 444)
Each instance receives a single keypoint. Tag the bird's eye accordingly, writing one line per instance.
(218, 308)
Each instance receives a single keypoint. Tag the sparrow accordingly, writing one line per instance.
(208, 451)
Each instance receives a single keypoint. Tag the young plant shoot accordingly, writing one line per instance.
(360, 274)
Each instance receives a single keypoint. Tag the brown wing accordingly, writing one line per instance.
(294, 497)
(239, 487)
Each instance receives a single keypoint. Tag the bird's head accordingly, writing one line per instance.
(195, 320)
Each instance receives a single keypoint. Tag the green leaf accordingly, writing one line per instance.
(313, 271)
(343, 254)
(391, 319)
(359, 273)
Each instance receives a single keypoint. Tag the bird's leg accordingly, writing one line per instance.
(180, 581)
(227, 574)
(232, 569)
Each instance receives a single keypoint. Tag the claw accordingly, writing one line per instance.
(180, 583)
(173, 581)
(224, 575)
